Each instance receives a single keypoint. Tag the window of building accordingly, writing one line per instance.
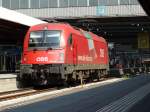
(34, 4)
(93, 2)
(14, 4)
(0, 2)
(124, 2)
(82, 3)
(53, 3)
(134, 2)
(103, 2)
(24, 4)
(108, 2)
(73, 3)
(6, 3)
(43, 3)
(63, 3)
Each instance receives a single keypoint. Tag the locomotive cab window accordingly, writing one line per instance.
(52, 38)
(36, 37)
(46, 39)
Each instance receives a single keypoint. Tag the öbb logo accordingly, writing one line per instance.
(40, 59)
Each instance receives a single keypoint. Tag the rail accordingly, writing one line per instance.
(22, 93)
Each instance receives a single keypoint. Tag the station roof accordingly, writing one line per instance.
(14, 25)
(145, 4)
(16, 17)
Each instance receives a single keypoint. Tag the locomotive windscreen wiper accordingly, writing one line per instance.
(49, 48)
(34, 49)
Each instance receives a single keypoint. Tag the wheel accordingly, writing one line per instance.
(99, 75)
(65, 84)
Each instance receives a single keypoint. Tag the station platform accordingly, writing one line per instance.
(8, 82)
(8, 76)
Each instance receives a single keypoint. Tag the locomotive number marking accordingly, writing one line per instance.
(84, 58)
(39, 59)
(102, 53)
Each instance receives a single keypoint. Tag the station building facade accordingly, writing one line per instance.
(74, 8)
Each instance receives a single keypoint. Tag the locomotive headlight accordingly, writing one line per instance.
(24, 59)
(61, 56)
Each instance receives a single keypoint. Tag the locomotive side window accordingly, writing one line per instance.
(45, 39)
(70, 40)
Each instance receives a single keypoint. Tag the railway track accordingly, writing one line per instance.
(22, 93)
(9, 95)
(30, 95)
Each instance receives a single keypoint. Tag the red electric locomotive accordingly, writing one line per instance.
(57, 52)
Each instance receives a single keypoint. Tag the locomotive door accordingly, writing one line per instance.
(72, 48)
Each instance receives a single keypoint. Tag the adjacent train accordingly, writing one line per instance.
(58, 53)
